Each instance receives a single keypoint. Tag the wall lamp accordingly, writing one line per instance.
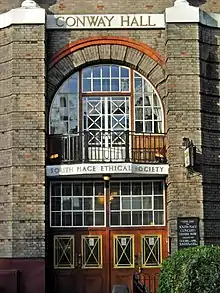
(106, 177)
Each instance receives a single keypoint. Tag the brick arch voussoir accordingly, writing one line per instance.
(99, 50)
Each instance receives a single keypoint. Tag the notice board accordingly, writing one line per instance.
(187, 232)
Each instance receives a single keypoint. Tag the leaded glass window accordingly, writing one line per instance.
(110, 84)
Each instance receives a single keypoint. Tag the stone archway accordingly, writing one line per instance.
(108, 49)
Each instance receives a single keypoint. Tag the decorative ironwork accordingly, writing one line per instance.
(92, 252)
(123, 251)
(106, 146)
(64, 252)
(151, 251)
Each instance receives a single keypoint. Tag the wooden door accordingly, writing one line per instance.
(137, 251)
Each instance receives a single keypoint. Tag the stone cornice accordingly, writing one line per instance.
(180, 12)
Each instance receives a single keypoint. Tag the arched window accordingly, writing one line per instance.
(106, 98)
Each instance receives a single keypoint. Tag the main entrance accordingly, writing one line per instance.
(98, 260)
(104, 232)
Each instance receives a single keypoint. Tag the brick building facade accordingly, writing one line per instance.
(179, 63)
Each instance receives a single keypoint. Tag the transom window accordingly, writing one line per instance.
(83, 204)
(137, 203)
(103, 85)
(77, 204)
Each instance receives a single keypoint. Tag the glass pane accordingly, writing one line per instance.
(156, 100)
(99, 203)
(115, 219)
(157, 114)
(138, 126)
(148, 126)
(67, 203)
(88, 203)
(56, 203)
(99, 188)
(124, 72)
(148, 113)
(114, 85)
(66, 189)
(97, 85)
(99, 219)
(77, 203)
(136, 203)
(158, 218)
(136, 188)
(138, 101)
(64, 252)
(125, 188)
(115, 71)
(158, 187)
(147, 203)
(148, 218)
(126, 203)
(105, 71)
(86, 85)
(115, 203)
(86, 72)
(115, 188)
(138, 85)
(138, 113)
(88, 219)
(77, 219)
(158, 202)
(148, 87)
(157, 127)
(55, 189)
(126, 218)
(124, 84)
(96, 70)
(77, 189)
(137, 218)
(147, 100)
(147, 188)
(55, 219)
(106, 85)
(66, 219)
(123, 249)
(88, 189)
(73, 84)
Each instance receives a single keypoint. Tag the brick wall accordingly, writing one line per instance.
(210, 92)
(22, 141)
(106, 6)
(184, 190)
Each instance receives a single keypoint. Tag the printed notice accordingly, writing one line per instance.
(188, 232)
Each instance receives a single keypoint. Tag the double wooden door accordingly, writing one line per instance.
(95, 260)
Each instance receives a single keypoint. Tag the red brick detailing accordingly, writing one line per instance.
(112, 40)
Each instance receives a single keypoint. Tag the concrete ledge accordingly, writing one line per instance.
(29, 13)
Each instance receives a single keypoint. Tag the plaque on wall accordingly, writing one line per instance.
(187, 232)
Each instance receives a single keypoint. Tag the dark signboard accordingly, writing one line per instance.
(188, 232)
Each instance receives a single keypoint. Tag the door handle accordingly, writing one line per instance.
(79, 260)
(137, 262)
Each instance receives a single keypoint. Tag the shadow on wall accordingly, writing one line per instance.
(210, 109)
(46, 4)
(197, 2)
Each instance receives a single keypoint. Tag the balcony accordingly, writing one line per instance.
(106, 147)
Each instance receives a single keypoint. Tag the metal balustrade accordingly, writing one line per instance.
(106, 147)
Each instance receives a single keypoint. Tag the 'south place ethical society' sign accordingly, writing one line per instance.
(106, 21)
(125, 168)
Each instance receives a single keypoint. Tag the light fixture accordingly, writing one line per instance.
(106, 177)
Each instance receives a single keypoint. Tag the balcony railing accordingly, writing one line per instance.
(106, 146)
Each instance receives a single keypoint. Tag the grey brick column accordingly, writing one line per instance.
(22, 135)
(184, 189)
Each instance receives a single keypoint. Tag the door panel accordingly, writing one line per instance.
(105, 120)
